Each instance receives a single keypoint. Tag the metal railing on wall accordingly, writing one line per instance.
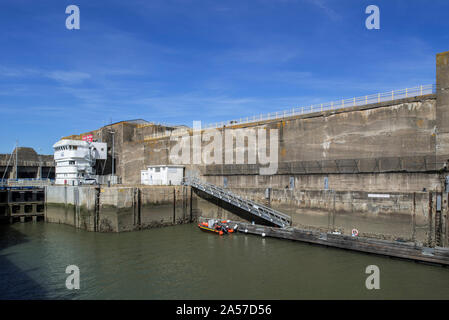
(333, 105)
(26, 182)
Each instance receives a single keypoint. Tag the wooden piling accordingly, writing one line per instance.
(191, 206)
(414, 217)
(429, 234)
(174, 206)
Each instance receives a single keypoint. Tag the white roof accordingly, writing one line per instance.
(79, 143)
(65, 142)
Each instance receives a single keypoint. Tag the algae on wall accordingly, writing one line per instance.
(117, 209)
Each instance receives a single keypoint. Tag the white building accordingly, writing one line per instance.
(75, 160)
(162, 175)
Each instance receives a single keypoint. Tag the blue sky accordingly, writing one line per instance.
(175, 61)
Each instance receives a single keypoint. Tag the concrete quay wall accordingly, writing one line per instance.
(373, 182)
(392, 136)
(117, 209)
(410, 216)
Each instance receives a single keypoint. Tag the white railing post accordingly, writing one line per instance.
(392, 94)
(354, 101)
(378, 97)
(421, 89)
(406, 92)
(366, 99)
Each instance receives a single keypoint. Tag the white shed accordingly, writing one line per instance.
(162, 175)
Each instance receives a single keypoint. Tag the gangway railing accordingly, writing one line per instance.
(263, 212)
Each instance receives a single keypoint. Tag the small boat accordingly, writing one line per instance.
(215, 227)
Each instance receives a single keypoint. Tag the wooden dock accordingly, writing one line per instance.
(397, 249)
(22, 203)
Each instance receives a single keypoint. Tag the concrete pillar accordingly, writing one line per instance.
(34, 218)
(442, 107)
(22, 219)
(11, 173)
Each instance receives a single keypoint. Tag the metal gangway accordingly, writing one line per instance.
(268, 214)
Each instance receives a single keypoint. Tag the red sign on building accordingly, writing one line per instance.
(89, 138)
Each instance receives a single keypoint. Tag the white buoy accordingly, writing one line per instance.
(246, 230)
(263, 234)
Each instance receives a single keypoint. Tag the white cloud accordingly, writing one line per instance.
(331, 13)
(69, 77)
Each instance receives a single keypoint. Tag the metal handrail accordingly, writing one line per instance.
(264, 212)
(333, 105)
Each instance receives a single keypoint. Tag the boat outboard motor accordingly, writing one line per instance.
(222, 228)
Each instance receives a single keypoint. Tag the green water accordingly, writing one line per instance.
(181, 262)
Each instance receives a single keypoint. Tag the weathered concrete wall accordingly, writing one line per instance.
(71, 205)
(407, 216)
(442, 123)
(396, 136)
(379, 182)
(118, 209)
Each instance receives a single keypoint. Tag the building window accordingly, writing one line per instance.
(158, 169)
(71, 162)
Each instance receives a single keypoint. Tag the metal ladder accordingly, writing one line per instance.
(268, 214)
